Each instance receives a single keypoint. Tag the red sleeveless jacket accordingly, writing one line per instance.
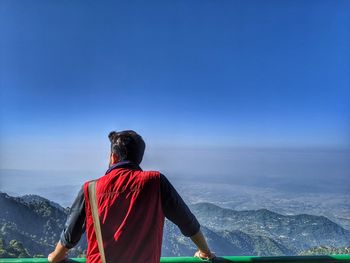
(131, 217)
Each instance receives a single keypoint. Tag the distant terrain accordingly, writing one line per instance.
(31, 225)
(333, 205)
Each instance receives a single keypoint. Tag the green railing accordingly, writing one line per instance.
(237, 259)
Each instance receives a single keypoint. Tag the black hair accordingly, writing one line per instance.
(128, 145)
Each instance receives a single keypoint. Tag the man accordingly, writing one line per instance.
(132, 205)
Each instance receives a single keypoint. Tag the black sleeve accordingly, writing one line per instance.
(75, 224)
(176, 210)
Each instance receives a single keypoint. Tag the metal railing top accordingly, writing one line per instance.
(237, 259)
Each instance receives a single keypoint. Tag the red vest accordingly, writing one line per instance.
(131, 217)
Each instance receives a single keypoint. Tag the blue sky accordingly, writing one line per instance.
(182, 73)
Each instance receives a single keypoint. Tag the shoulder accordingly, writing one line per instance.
(86, 184)
(85, 188)
(151, 175)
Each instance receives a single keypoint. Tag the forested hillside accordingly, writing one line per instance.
(30, 226)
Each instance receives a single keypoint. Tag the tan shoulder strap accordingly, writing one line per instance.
(97, 226)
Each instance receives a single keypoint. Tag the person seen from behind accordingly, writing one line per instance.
(131, 206)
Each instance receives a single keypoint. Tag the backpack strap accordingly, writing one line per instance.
(96, 219)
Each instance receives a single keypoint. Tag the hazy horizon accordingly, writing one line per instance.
(294, 170)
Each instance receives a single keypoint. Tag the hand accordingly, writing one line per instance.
(54, 258)
(59, 254)
(204, 255)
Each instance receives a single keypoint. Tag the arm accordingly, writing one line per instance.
(73, 230)
(176, 210)
(203, 249)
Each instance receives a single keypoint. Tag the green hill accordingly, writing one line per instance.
(326, 250)
(33, 221)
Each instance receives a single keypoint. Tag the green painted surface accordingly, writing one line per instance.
(237, 259)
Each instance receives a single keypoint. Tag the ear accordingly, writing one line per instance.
(113, 158)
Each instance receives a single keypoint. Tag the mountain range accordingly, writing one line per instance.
(31, 226)
(295, 232)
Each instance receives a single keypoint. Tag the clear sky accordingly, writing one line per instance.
(184, 73)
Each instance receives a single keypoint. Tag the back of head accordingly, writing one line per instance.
(127, 145)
